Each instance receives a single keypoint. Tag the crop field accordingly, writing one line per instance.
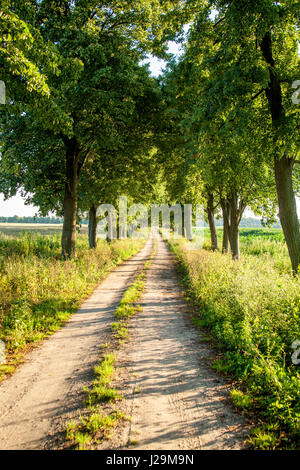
(17, 230)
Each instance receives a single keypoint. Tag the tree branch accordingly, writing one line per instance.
(257, 95)
(219, 21)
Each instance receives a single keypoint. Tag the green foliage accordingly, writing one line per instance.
(23, 51)
(128, 305)
(102, 391)
(100, 99)
(252, 310)
(241, 400)
(97, 425)
(222, 104)
(105, 370)
(269, 245)
(39, 291)
(265, 437)
(81, 440)
(30, 220)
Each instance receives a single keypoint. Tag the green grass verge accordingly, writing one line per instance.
(253, 313)
(39, 291)
(267, 244)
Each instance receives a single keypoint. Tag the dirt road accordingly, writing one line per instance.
(36, 401)
(175, 399)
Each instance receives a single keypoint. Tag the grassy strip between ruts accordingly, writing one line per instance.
(99, 421)
(252, 313)
(39, 291)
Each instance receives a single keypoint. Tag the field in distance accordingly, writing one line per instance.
(16, 229)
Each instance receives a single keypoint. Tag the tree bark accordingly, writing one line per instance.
(232, 209)
(211, 222)
(288, 209)
(93, 227)
(68, 241)
(225, 238)
(233, 233)
(283, 165)
(234, 238)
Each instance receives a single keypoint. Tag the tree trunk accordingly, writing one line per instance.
(234, 238)
(211, 221)
(232, 209)
(70, 199)
(287, 208)
(225, 240)
(93, 227)
(233, 233)
(282, 164)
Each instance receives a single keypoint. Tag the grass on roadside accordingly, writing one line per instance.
(267, 244)
(253, 313)
(39, 291)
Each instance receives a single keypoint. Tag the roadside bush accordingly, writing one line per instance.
(38, 290)
(253, 312)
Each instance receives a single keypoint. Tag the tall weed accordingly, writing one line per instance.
(253, 312)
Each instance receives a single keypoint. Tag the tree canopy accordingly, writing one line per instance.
(85, 122)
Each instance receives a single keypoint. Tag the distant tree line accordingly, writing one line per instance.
(31, 220)
(245, 222)
(249, 222)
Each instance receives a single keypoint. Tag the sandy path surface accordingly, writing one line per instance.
(36, 401)
(176, 400)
